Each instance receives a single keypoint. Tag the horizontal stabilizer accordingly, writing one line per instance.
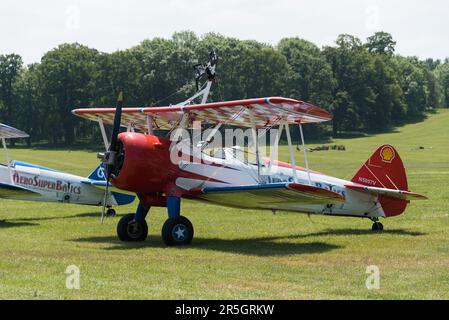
(275, 196)
(123, 198)
(392, 193)
(10, 191)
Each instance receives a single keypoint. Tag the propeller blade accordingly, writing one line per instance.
(117, 122)
(110, 156)
(104, 202)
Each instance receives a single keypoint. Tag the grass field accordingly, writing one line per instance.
(240, 254)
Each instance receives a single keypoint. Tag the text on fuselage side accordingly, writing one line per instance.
(37, 182)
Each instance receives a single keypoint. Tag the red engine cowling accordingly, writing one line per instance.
(144, 165)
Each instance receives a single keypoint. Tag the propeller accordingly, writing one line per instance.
(109, 158)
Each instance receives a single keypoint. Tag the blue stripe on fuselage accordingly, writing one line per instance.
(247, 187)
(31, 165)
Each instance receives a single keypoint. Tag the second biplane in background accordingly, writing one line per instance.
(21, 180)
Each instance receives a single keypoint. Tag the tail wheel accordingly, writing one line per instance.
(130, 230)
(377, 226)
(177, 231)
(110, 213)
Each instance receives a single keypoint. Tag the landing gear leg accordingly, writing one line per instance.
(133, 227)
(377, 226)
(177, 230)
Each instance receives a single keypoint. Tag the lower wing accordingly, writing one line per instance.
(268, 196)
(102, 185)
(10, 191)
(121, 196)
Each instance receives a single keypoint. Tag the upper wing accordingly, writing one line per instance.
(242, 113)
(276, 196)
(10, 191)
(10, 132)
(393, 193)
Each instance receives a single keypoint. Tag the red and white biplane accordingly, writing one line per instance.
(143, 163)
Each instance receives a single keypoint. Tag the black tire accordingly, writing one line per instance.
(177, 231)
(110, 213)
(377, 226)
(130, 230)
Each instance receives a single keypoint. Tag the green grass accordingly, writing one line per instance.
(240, 254)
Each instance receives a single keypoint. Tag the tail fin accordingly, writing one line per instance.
(384, 169)
(98, 174)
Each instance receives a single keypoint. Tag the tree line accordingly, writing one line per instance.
(365, 85)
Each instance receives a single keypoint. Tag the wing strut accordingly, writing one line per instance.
(103, 133)
(290, 149)
(256, 141)
(274, 147)
(7, 158)
(305, 153)
(209, 139)
(150, 125)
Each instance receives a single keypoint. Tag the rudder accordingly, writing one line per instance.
(99, 174)
(384, 169)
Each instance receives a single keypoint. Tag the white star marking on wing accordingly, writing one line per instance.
(180, 233)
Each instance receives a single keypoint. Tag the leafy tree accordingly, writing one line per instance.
(431, 64)
(442, 75)
(230, 74)
(365, 85)
(310, 77)
(348, 42)
(352, 67)
(10, 67)
(382, 81)
(344, 113)
(31, 116)
(66, 75)
(263, 72)
(120, 69)
(435, 98)
(381, 43)
(412, 78)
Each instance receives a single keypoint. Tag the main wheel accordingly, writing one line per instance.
(177, 231)
(377, 226)
(130, 230)
(110, 212)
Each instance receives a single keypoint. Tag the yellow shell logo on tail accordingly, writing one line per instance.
(387, 154)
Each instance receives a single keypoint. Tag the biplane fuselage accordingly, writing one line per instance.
(148, 169)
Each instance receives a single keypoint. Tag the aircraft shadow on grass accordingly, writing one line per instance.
(360, 232)
(327, 232)
(262, 246)
(13, 224)
(79, 215)
(269, 246)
